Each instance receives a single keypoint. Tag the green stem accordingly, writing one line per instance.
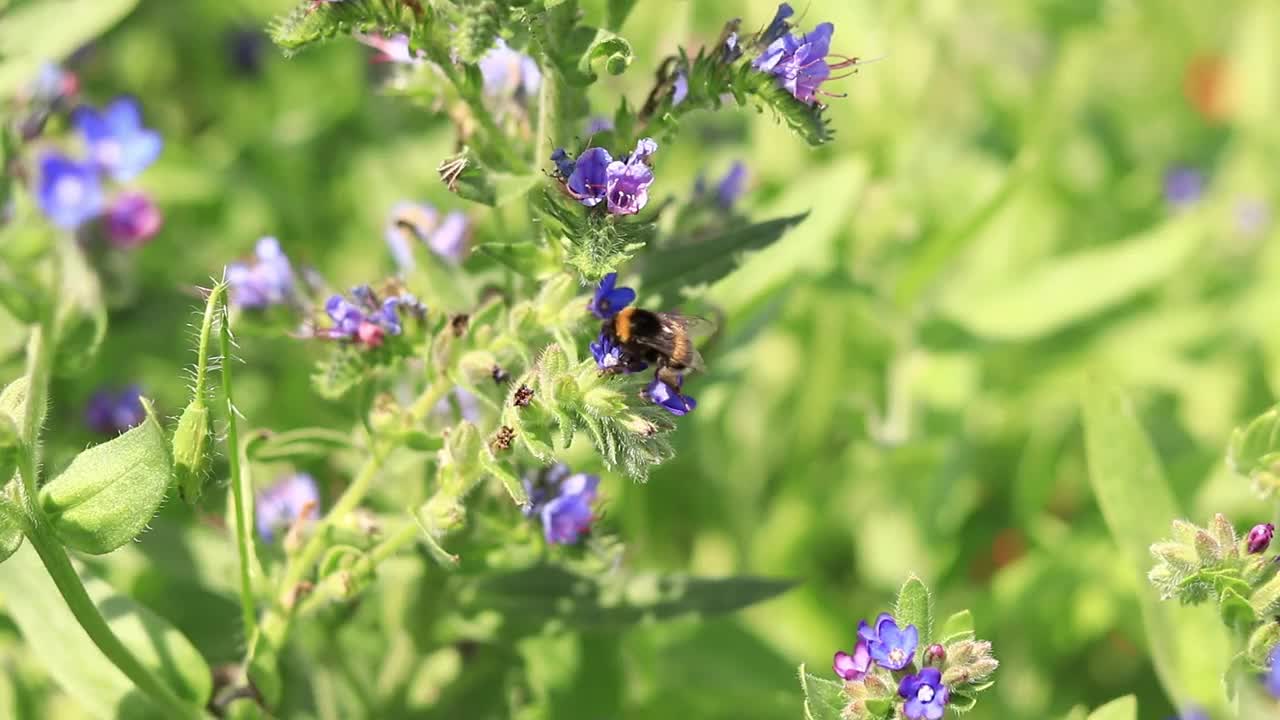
(334, 586)
(95, 626)
(39, 363)
(242, 497)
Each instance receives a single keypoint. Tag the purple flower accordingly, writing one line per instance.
(408, 222)
(608, 299)
(732, 185)
(564, 164)
(925, 694)
(778, 26)
(117, 141)
(800, 63)
(1192, 713)
(568, 516)
(132, 219)
(468, 406)
(391, 49)
(266, 281)
(596, 124)
(111, 412)
(1183, 186)
(589, 180)
(890, 647)
(538, 487)
(610, 357)
(1271, 680)
(69, 192)
(670, 398)
(628, 183)
(681, 88)
(285, 502)
(1259, 538)
(855, 666)
(244, 50)
(507, 72)
(367, 321)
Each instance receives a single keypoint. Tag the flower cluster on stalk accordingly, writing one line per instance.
(596, 177)
(365, 319)
(799, 62)
(118, 147)
(562, 501)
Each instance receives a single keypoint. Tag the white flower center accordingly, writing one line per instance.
(925, 694)
(68, 191)
(897, 656)
(109, 153)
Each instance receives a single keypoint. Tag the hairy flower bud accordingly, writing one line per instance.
(191, 450)
(935, 655)
(1259, 538)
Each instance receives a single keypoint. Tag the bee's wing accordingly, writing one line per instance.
(693, 328)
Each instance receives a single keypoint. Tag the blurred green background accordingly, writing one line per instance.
(897, 387)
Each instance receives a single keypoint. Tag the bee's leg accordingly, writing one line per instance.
(669, 375)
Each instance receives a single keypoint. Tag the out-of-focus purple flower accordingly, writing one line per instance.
(507, 72)
(660, 393)
(611, 358)
(132, 219)
(539, 486)
(608, 299)
(800, 63)
(1259, 538)
(391, 49)
(925, 694)
(282, 504)
(853, 667)
(1192, 713)
(111, 412)
(568, 516)
(778, 26)
(468, 405)
(1271, 680)
(266, 281)
(589, 180)
(596, 124)
(117, 141)
(367, 321)
(411, 223)
(1183, 186)
(628, 183)
(890, 646)
(732, 185)
(564, 164)
(245, 50)
(69, 192)
(52, 83)
(1252, 216)
(680, 89)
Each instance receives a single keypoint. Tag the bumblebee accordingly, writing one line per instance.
(657, 338)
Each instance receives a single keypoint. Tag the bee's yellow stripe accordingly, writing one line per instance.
(622, 324)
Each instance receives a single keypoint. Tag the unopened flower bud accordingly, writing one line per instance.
(1207, 547)
(935, 655)
(1259, 538)
(191, 450)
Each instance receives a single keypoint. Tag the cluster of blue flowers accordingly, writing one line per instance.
(799, 61)
(607, 301)
(266, 281)
(562, 501)
(894, 649)
(595, 177)
(70, 192)
(111, 412)
(368, 320)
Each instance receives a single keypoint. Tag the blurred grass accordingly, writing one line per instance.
(897, 391)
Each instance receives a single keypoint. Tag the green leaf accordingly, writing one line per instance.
(961, 702)
(10, 530)
(1235, 609)
(298, 444)
(466, 176)
(708, 260)
(524, 258)
(33, 33)
(915, 607)
(616, 13)
(1253, 445)
(54, 636)
(109, 493)
(1187, 644)
(823, 699)
(1066, 290)
(549, 592)
(1125, 708)
(957, 627)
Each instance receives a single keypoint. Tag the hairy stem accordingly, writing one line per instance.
(334, 587)
(242, 496)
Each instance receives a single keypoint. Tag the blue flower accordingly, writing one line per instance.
(589, 180)
(890, 647)
(778, 26)
(1271, 679)
(660, 393)
(69, 192)
(680, 90)
(1192, 713)
(800, 62)
(853, 667)
(367, 321)
(266, 281)
(419, 222)
(1183, 186)
(132, 220)
(292, 498)
(568, 516)
(608, 299)
(627, 188)
(610, 357)
(111, 412)
(539, 486)
(732, 185)
(925, 694)
(507, 72)
(117, 141)
(391, 49)
(596, 124)
(564, 164)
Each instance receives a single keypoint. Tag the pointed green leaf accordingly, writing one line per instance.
(823, 699)
(36, 32)
(961, 702)
(957, 627)
(54, 636)
(1188, 645)
(109, 493)
(10, 530)
(915, 607)
(1125, 708)
(1235, 609)
(297, 444)
(710, 259)
(538, 594)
